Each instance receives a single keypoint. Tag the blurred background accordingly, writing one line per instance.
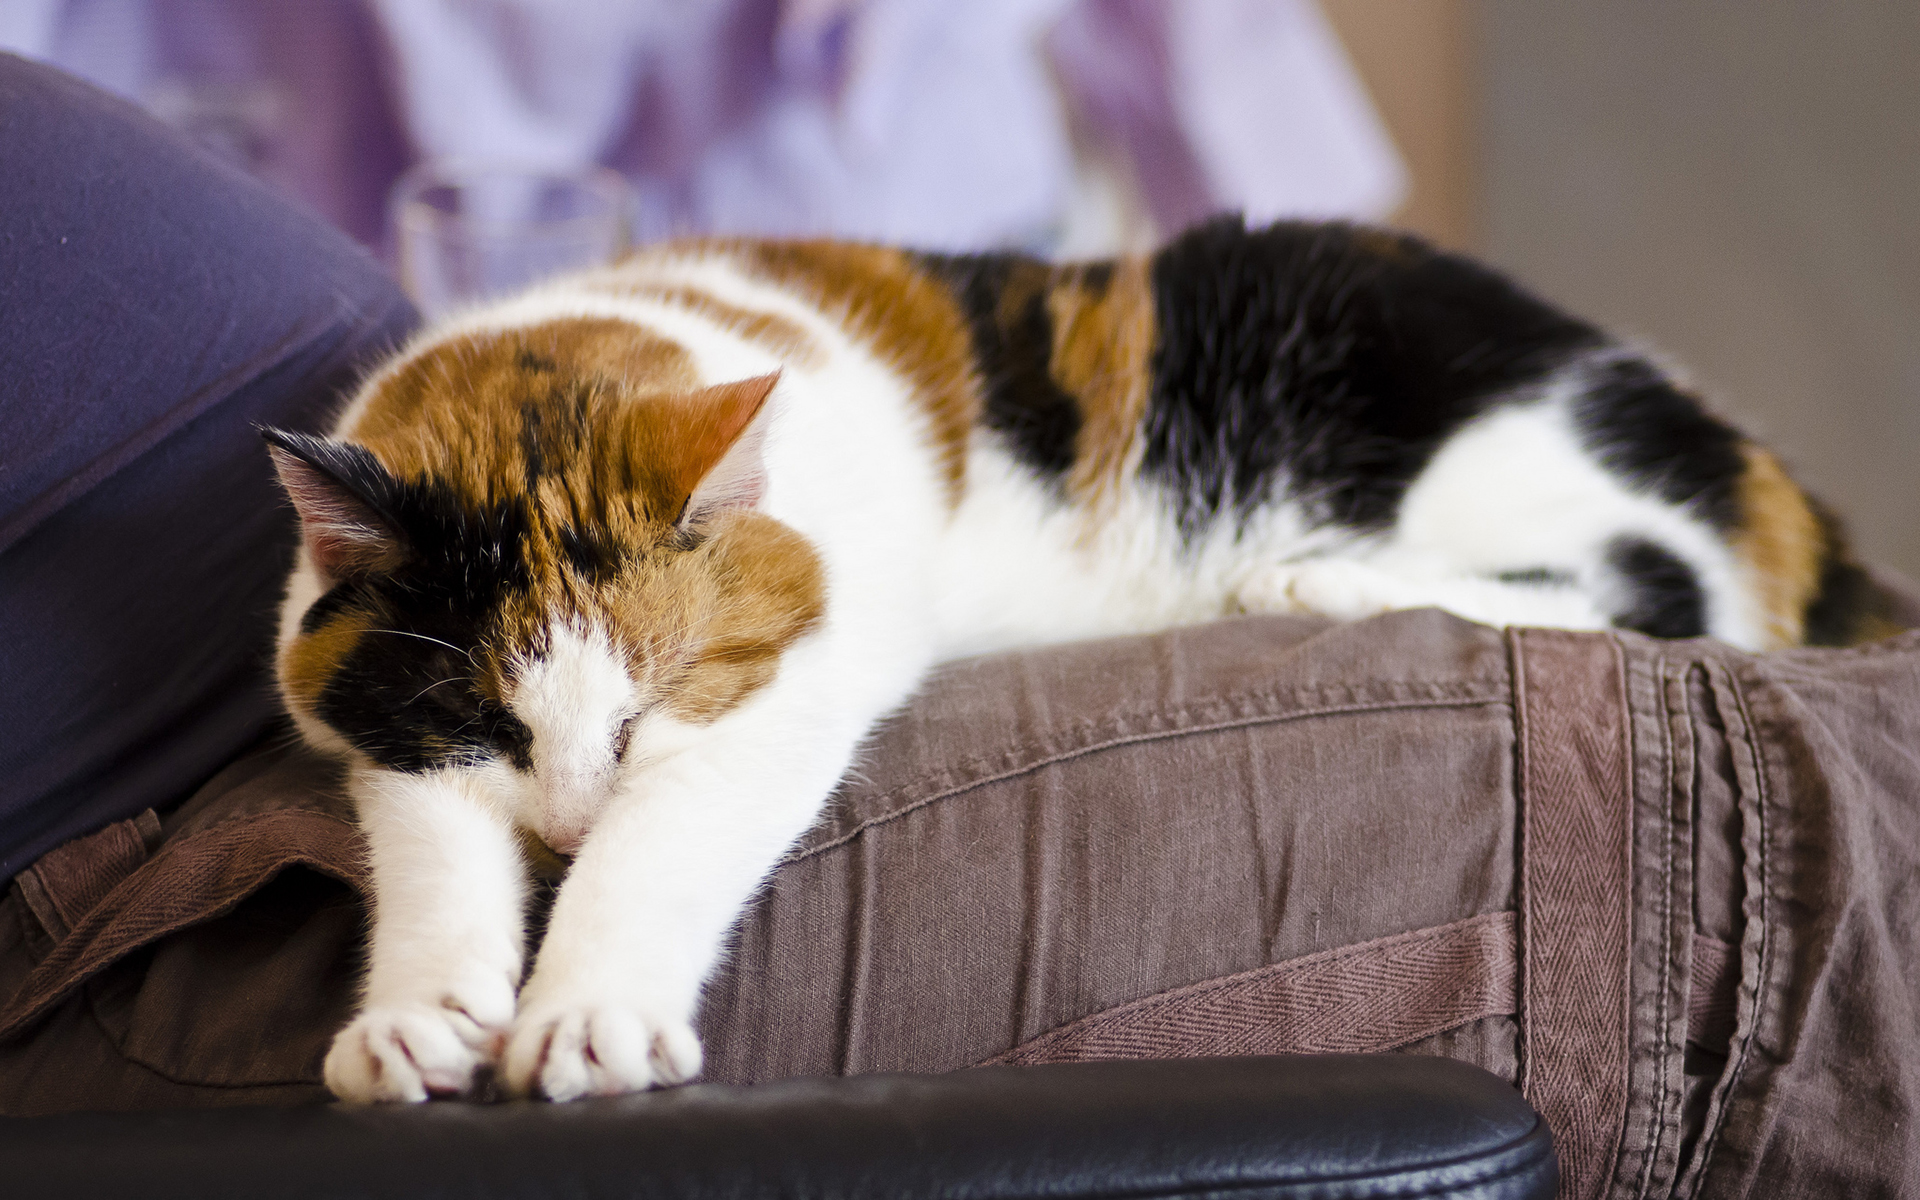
(1734, 186)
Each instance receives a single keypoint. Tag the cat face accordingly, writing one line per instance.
(533, 570)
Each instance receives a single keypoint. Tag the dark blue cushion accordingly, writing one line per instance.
(156, 306)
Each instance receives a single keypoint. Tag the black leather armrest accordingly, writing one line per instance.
(1326, 1126)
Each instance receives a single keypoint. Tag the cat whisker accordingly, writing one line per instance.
(423, 691)
(468, 654)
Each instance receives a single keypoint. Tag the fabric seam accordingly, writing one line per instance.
(1735, 1070)
(1147, 1006)
(1656, 1126)
(1051, 759)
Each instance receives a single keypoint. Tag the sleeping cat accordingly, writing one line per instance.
(626, 567)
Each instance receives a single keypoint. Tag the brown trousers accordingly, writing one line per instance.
(1671, 891)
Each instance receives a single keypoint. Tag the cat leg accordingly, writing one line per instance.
(1348, 589)
(445, 952)
(645, 908)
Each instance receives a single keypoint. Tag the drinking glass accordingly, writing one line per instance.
(465, 231)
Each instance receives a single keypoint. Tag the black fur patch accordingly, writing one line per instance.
(1096, 277)
(1326, 361)
(1658, 438)
(1847, 608)
(1539, 577)
(407, 693)
(1664, 595)
(332, 603)
(1004, 297)
(555, 428)
(591, 554)
(352, 467)
(1843, 609)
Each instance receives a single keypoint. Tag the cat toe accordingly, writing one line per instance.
(674, 1053)
(598, 1050)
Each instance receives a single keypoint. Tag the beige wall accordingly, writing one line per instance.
(1417, 59)
(1738, 185)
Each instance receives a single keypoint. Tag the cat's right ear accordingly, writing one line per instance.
(341, 492)
(726, 458)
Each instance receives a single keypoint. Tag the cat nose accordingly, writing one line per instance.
(569, 810)
(568, 838)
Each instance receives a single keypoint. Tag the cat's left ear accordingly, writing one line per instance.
(737, 416)
(343, 495)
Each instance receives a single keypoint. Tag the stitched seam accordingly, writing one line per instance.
(1274, 703)
(243, 818)
(1112, 743)
(1767, 941)
(1148, 1006)
(104, 466)
(1523, 852)
(1656, 1125)
(1630, 735)
(1281, 701)
(1737, 1063)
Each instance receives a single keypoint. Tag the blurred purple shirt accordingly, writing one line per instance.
(1073, 126)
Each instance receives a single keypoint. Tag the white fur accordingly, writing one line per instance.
(446, 955)
(572, 698)
(673, 839)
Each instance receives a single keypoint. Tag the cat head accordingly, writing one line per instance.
(540, 564)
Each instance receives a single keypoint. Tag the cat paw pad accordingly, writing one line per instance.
(567, 1052)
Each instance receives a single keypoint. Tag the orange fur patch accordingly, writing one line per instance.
(455, 411)
(1781, 543)
(701, 629)
(909, 320)
(767, 591)
(310, 660)
(1102, 344)
(770, 331)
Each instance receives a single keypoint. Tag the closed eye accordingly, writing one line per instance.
(623, 738)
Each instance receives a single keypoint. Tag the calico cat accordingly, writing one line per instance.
(626, 566)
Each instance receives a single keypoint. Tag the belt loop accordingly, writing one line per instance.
(1574, 763)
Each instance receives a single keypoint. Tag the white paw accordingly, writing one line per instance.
(1332, 587)
(567, 1051)
(415, 1049)
(406, 1053)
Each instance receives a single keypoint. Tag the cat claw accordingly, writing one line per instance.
(408, 1051)
(566, 1052)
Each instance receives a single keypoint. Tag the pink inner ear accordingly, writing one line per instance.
(737, 478)
(342, 533)
(735, 405)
